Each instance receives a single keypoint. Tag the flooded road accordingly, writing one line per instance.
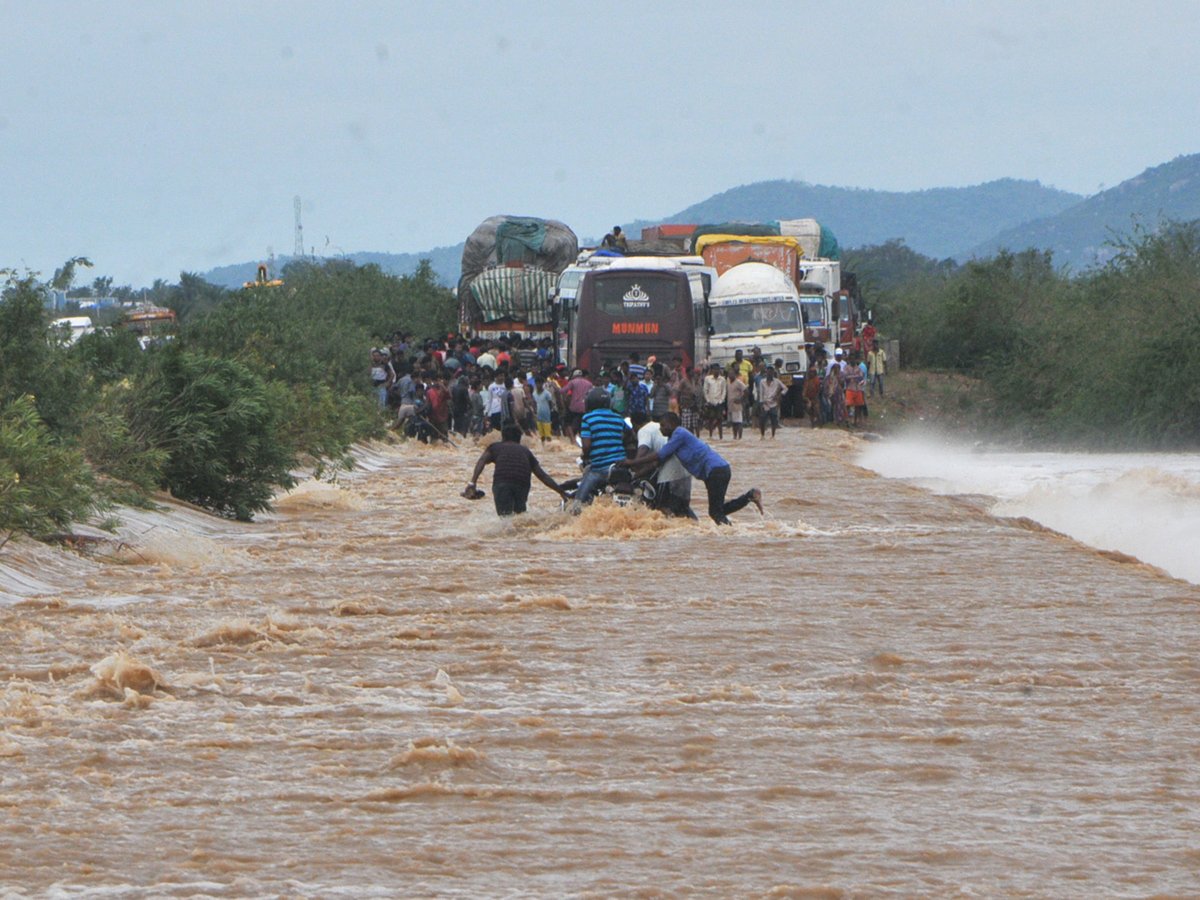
(384, 691)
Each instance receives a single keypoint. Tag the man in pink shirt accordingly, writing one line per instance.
(576, 392)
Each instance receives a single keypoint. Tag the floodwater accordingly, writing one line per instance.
(1143, 504)
(383, 691)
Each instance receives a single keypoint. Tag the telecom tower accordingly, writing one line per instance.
(299, 253)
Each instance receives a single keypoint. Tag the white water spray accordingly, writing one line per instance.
(1142, 504)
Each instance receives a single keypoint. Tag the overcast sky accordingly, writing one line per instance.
(159, 137)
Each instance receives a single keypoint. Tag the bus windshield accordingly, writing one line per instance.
(636, 295)
(751, 318)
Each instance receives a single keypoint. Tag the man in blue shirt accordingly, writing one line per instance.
(606, 439)
(704, 463)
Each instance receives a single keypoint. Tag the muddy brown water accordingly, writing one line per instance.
(383, 691)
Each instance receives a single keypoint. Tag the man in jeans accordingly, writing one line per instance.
(606, 440)
(702, 462)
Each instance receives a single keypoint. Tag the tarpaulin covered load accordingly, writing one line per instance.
(538, 245)
(751, 229)
(521, 295)
(807, 230)
(708, 240)
(829, 245)
(544, 243)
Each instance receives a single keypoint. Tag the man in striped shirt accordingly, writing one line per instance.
(635, 365)
(606, 440)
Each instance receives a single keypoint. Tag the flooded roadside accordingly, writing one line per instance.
(383, 690)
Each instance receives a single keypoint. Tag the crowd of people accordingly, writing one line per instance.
(471, 387)
(513, 385)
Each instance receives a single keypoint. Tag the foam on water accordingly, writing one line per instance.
(309, 495)
(1145, 505)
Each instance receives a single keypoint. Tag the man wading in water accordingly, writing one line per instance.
(702, 462)
(510, 481)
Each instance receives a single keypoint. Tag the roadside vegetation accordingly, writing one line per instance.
(257, 384)
(1107, 359)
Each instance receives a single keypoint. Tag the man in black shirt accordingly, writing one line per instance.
(511, 480)
(460, 405)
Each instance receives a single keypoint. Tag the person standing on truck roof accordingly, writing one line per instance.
(615, 240)
(702, 462)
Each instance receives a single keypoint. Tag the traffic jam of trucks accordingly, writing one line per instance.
(693, 292)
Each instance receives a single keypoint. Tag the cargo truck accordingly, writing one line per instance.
(510, 269)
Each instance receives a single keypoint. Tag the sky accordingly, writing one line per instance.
(159, 137)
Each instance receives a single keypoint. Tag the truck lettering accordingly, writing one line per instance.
(635, 328)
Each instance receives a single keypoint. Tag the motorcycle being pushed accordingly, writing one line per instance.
(620, 484)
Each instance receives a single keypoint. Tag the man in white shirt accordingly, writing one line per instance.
(494, 411)
(716, 389)
(486, 359)
(770, 393)
(673, 483)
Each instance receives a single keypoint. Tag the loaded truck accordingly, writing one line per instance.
(510, 269)
(807, 254)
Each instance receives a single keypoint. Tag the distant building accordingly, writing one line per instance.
(57, 301)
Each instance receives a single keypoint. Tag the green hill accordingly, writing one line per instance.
(938, 222)
(446, 262)
(1078, 236)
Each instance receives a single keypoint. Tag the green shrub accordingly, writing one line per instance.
(43, 485)
(217, 422)
(316, 328)
(322, 424)
(121, 445)
(33, 356)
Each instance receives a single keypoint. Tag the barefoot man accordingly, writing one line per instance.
(702, 462)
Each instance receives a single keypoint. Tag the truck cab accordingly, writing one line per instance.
(756, 305)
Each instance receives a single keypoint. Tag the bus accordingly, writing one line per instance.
(651, 306)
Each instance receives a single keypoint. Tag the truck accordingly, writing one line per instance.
(510, 270)
(754, 304)
(830, 304)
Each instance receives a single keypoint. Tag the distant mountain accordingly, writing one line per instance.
(446, 262)
(938, 222)
(1078, 235)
